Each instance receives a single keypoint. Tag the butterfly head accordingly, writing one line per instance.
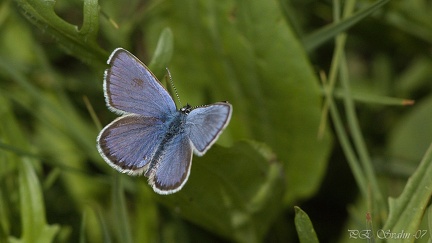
(186, 109)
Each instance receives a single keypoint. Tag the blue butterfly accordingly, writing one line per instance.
(151, 136)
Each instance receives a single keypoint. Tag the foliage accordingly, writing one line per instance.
(369, 64)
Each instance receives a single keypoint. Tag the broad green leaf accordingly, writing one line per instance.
(305, 229)
(242, 51)
(235, 192)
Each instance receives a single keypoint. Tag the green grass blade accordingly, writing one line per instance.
(369, 227)
(360, 144)
(347, 148)
(372, 98)
(120, 211)
(82, 238)
(328, 32)
(91, 218)
(146, 223)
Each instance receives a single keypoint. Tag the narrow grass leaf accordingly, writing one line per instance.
(82, 233)
(374, 192)
(120, 211)
(146, 221)
(328, 32)
(373, 99)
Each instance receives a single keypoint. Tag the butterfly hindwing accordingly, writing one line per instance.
(129, 142)
(130, 87)
(172, 170)
(204, 124)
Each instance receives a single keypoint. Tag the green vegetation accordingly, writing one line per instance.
(325, 142)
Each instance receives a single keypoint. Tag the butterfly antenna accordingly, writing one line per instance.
(172, 85)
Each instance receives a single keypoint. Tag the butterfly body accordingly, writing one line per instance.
(174, 127)
(153, 137)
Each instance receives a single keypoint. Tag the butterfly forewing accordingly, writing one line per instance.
(130, 87)
(129, 142)
(204, 124)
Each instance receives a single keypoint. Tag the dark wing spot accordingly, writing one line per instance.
(137, 82)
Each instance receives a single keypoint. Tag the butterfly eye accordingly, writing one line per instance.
(186, 109)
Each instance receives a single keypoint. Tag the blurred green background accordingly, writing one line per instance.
(332, 114)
